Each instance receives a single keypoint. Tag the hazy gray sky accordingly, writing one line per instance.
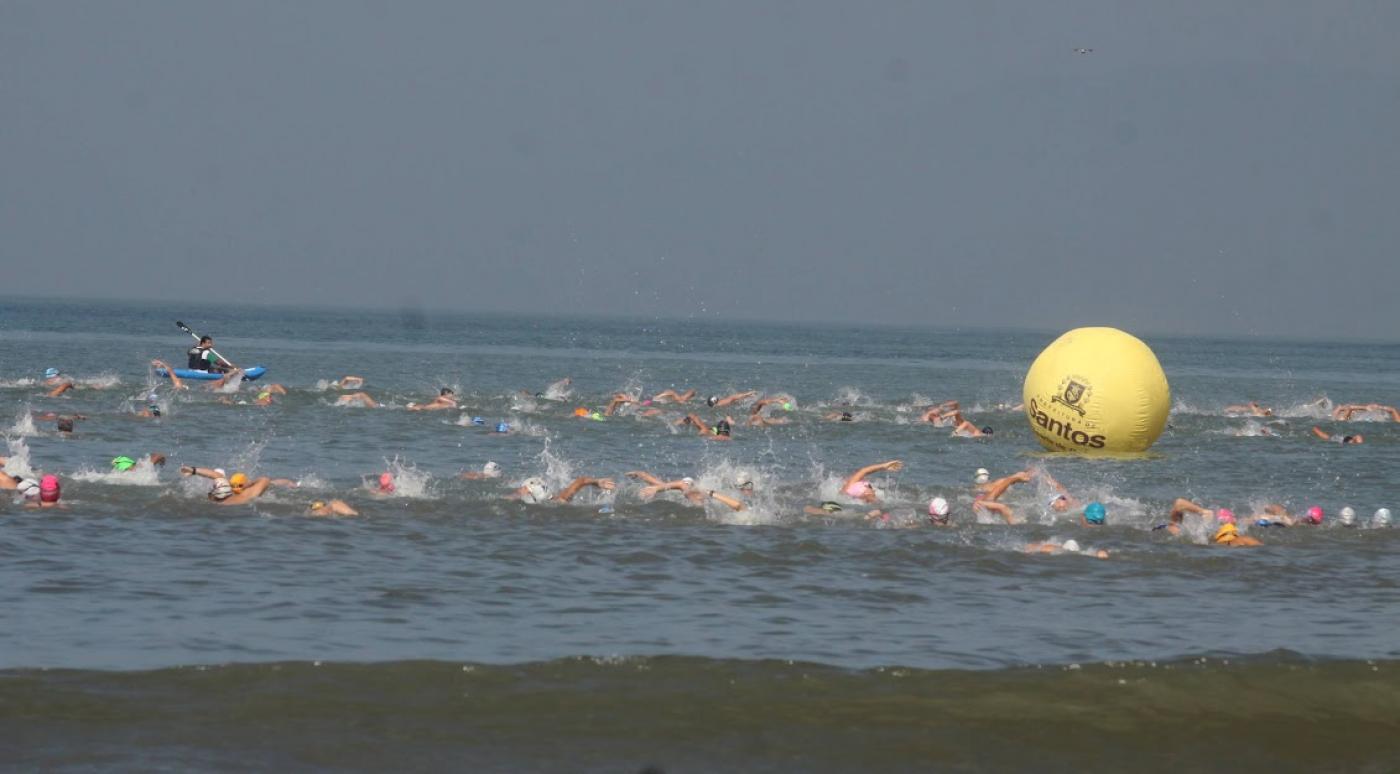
(1214, 167)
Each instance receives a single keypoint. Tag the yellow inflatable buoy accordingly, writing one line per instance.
(1096, 391)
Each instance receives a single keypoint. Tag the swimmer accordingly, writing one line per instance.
(348, 383)
(1346, 516)
(1060, 500)
(988, 500)
(826, 508)
(533, 490)
(855, 485)
(488, 471)
(1180, 508)
(938, 512)
(446, 399)
(362, 399)
(1095, 515)
(966, 429)
(386, 485)
(65, 424)
(152, 409)
(671, 396)
(57, 382)
(1251, 408)
(720, 432)
(50, 492)
(265, 394)
(619, 400)
(1341, 439)
(331, 508)
(942, 414)
(716, 401)
(1381, 518)
(1070, 546)
(839, 416)
(1344, 413)
(686, 486)
(1229, 536)
(223, 492)
(756, 417)
(175, 382)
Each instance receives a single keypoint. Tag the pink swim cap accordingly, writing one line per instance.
(858, 488)
(1225, 515)
(1315, 514)
(48, 489)
(386, 482)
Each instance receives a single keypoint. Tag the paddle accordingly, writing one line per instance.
(186, 329)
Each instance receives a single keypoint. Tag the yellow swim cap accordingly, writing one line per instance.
(318, 505)
(1226, 533)
(237, 481)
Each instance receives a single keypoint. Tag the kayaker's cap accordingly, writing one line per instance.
(221, 490)
(50, 373)
(122, 464)
(1315, 514)
(1095, 513)
(491, 470)
(238, 481)
(981, 476)
(386, 483)
(534, 490)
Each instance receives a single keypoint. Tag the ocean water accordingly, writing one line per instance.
(144, 628)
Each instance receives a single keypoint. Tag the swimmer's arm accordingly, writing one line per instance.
(60, 389)
(579, 483)
(190, 470)
(285, 483)
(341, 508)
(642, 475)
(250, 492)
(7, 481)
(699, 425)
(1182, 506)
(170, 372)
(277, 388)
(733, 504)
(1317, 431)
(997, 488)
(859, 475)
(738, 396)
(1001, 509)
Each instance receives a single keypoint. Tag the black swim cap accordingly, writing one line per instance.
(846, 416)
(987, 430)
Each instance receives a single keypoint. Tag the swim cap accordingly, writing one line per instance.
(1225, 515)
(787, 406)
(65, 425)
(1227, 533)
(318, 505)
(50, 373)
(1071, 545)
(858, 488)
(502, 427)
(846, 417)
(745, 486)
(596, 417)
(580, 412)
(264, 394)
(688, 481)
(987, 430)
(1094, 513)
(28, 487)
(938, 507)
(1315, 514)
(1346, 515)
(155, 410)
(1382, 518)
(491, 469)
(534, 491)
(152, 398)
(981, 476)
(831, 506)
(238, 481)
(386, 482)
(478, 421)
(712, 400)
(221, 490)
(123, 463)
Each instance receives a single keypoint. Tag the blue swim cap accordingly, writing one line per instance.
(478, 421)
(503, 428)
(50, 373)
(1094, 513)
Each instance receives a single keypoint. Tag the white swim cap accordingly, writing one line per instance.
(534, 491)
(688, 481)
(1072, 545)
(1346, 516)
(938, 507)
(222, 489)
(491, 469)
(28, 487)
(1382, 518)
(981, 476)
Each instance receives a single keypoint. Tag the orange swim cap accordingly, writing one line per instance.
(580, 412)
(237, 481)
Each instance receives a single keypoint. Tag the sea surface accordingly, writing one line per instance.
(143, 628)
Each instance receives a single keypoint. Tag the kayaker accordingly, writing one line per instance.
(202, 357)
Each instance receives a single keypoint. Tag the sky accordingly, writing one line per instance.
(1222, 168)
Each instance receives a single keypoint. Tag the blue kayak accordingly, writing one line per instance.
(249, 374)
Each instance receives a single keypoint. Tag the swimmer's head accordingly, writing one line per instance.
(49, 489)
(238, 481)
(154, 409)
(596, 417)
(122, 464)
(831, 506)
(987, 430)
(1071, 545)
(445, 392)
(503, 427)
(711, 401)
(1095, 513)
(1225, 516)
(1358, 438)
(1059, 501)
(491, 470)
(580, 412)
(862, 490)
(746, 486)
(221, 490)
(319, 505)
(50, 373)
(1226, 534)
(938, 510)
(981, 476)
(722, 427)
(532, 490)
(28, 488)
(152, 398)
(688, 481)
(65, 425)
(1347, 516)
(386, 483)
(847, 417)
(1315, 515)
(787, 405)
(1382, 518)
(479, 421)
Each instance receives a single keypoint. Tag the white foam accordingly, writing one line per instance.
(144, 473)
(24, 426)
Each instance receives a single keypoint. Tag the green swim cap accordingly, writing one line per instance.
(123, 463)
(595, 416)
(787, 407)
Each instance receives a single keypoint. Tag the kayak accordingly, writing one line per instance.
(249, 374)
